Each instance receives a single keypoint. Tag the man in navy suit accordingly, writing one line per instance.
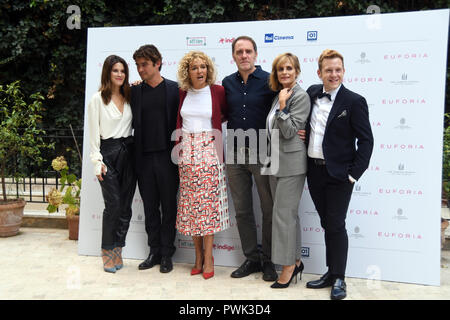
(338, 119)
(154, 103)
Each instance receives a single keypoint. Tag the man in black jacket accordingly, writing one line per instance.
(154, 104)
(338, 119)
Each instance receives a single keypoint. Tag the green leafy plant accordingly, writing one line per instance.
(446, 158)
(20, 133)
(69, 191)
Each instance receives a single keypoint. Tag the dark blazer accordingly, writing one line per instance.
(172, 100)
(347, 122)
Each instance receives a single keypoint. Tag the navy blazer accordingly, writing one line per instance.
(347, 123)
(172, 101)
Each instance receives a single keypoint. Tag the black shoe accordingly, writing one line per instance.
(339, 290)
(323, 282)
(247, 268)
(269, 272)
(166, 264)
(150, 262)
(300, 269)
(277, 285)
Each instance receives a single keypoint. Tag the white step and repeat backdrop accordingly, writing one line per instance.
(396, 61)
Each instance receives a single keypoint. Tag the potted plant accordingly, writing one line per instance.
(445, 174)
(68, 194)
(446, 161)
(20, 142)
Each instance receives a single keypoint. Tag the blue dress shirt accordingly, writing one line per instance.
(248, 103)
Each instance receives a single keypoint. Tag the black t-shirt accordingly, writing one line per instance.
(154, 118)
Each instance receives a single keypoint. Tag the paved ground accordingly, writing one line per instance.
(44, 264)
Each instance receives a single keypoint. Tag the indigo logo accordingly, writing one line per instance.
(311, 35)
(268, 37)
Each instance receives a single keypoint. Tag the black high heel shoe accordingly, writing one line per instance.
(277, 285)
(300, 269)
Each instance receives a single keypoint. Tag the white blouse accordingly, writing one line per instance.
(197, 110)
(106, 121)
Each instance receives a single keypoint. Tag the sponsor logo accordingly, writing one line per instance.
(186, 244)
(224, 247)
(313, 229)
(356, 234)
(375, 124)
(362, 80)
(312, 35)
(404, 101)
(400, 171)
(405, 56)
(373, 168)
(305, 252)
(196, 41)
(270, 38)
(399, 191)
(226, 40)
(399, 235)
(258, 61)
(403, 81)
(363, 212)
(362, 58)
(400, 215)
(359, 191)
(402, 125)
(169, 63)
(401, 147)
(308, 60)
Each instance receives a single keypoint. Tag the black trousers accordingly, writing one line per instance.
(118, 187)
(158, 184)
(331, 198)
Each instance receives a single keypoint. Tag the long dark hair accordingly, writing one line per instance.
(106, 84)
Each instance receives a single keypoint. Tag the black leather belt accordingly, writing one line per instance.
(318, 162)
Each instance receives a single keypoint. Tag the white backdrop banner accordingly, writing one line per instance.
(396, 61)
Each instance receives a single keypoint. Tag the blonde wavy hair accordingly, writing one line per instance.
(183, 69)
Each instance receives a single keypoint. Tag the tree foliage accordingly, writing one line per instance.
(39, 49)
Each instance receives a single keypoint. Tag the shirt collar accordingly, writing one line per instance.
(334, 92)
(258, 73)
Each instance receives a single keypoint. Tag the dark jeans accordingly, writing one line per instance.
(158, 184)
(240, 182)
(331, 198)
(118, 187)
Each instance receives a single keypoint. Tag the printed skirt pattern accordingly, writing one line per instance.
(203, 201)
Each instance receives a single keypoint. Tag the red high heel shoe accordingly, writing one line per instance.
(195, 271)
(208, 275)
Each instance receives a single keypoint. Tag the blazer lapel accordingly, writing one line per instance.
(274, 104)
(340, 97)
(138, 105)
(168, 103)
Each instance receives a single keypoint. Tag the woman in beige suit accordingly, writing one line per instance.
(289, 113)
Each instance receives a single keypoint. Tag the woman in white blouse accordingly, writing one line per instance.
(202, 204)
(109, 115)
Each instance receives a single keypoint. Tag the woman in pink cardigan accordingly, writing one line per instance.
(203, 203)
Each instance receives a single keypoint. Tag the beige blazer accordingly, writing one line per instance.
(291, 151)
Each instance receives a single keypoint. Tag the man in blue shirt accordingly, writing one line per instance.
(249, 101)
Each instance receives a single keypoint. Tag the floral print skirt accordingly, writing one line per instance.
(203, 201)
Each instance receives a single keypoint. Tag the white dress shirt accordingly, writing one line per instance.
(319, 117)
(197, 110)
(106, 121)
